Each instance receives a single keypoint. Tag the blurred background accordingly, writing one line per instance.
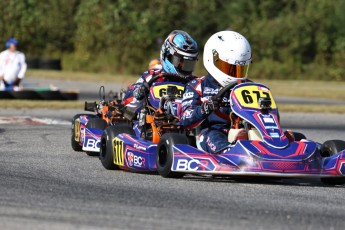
(291, 39)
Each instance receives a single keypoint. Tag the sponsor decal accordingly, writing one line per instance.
(188, 95)
(93, 144)
(187, 114)
(194, 165)
(211, 145)
(187, 103)
(139, 147)
(208, 90)
(268, 120)
(135, 160)
(238, 62)
(274, 135)
(271, 127)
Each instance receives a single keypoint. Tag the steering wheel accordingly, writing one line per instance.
(169, 76)
(227, 88)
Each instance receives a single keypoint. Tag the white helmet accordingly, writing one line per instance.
(227, 55)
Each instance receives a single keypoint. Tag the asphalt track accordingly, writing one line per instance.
(44, 184)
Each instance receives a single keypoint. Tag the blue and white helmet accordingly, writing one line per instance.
(179, 53)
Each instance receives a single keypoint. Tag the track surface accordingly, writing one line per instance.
(46, 185)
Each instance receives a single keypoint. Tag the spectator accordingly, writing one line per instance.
(12, 66)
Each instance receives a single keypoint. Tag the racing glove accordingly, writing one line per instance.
(141, 91)
(211, 105)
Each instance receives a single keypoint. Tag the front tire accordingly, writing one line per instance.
(106, 154)
(330, 148)
(299, 136)
(165, 154)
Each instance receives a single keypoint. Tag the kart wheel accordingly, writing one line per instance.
(299, 136)
(99, 124)
(76, 132)
(329, 148)
(106, 154)
(165, 154)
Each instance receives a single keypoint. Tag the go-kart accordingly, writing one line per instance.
(87, 129)
(264, 150)
(133, 146)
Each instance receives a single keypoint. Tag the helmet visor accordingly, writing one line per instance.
(182, 64)
(236, 71)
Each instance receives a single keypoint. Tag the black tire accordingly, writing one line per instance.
(75, 144)
(329, 148)
(70, 95)
(6, 95)
(299, 136)
(99, 124)
(26, 95)
(165, 152)
(32, 63)
(52, 64)
(51, 95)
(106, 154)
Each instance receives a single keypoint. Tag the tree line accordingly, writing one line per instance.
(290, 38)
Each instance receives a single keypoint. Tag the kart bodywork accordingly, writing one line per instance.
(87, 129)
(266, 152)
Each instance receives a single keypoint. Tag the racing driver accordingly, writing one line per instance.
(227, 55)
(179, 54)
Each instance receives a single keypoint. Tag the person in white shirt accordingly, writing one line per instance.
(12, 66)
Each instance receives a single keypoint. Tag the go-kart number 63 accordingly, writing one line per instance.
(118, 151)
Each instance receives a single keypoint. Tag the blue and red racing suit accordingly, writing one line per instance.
(129, 100)
(214, 126)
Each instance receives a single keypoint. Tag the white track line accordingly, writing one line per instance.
(32, 120)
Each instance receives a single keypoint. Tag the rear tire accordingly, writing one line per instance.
(99, 124)
(107, 148)
(76, 131)
(299, 136)
(329, 148)
(165, 154)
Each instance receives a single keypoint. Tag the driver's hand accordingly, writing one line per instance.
(141, 91)
(211, 105)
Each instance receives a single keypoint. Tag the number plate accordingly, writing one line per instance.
(248, 96)
(160, 90)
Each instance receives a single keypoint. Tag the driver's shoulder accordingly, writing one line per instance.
(196, 81)
(147, 75)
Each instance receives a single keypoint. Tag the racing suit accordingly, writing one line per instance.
(129, 99)
(133, 104)
(12, 68)
(214, 126)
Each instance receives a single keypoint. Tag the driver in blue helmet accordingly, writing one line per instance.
(179, 55)
(227, 56)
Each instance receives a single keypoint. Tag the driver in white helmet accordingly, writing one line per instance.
(227, 56)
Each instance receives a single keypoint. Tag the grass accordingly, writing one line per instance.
(80, 76)
(311, 108)
(289, 88)
(311, 89)
(33, 104)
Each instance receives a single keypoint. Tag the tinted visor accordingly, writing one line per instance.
(236, 71)
(183, 64)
